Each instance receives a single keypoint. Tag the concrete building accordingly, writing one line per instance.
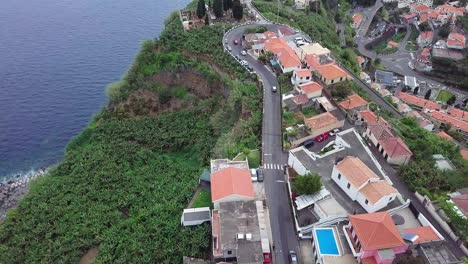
(310, 89)
(195, 216)
(331, 73)
(301, 76)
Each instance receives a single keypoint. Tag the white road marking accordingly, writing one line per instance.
(280, 181)
(270, 166)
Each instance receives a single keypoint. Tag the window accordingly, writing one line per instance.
(339, 176)
(229, 252)
(332, 81)
(390, 198)
(349, 186)
(366, 201)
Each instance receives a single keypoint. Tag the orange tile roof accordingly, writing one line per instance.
(369, 117)
(426, 35)
(310, 87)
(374, 191)
(445, 8)
(376, 231)
(424, 233)
(444, 118)
(456, 39)
(231, 181)
(360, 59)
(423, 17)
(269, 34)
(283, 51)
(321, 120)
(357, 18)
(353, 101)
(419, 8)
(313, 61)
(303, 73)
(464, 153)
(445, 136)
(461, 201)
(331, 71)
(392, 44)
(414, 100)
(355, 171)
(395, 147)
(380, 131)
(458, 113)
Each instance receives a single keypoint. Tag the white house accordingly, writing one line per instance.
(362, 185)
(310, 89)
(301, 76)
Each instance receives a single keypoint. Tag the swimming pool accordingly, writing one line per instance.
(326, 241)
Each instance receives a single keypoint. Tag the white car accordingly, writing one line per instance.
(333, 132)
(243, 52)
(274, 89)
(244, 62)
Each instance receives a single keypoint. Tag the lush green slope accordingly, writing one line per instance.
(125, 180)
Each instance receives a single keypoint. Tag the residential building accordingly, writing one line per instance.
(312, 61)
(425, 56)
(310, 89)
(426, 124)
(365, 77)
(450, 10)
(285, 56)
(441, 118)
(331, 73)
(361, 184)
(239, 233)
(368, 117)
(383, 77)
(392, 148)
(417, 8)
(404, 108)
(460, 201)
(231, 184)
(310, 49)
(357, 19)
(456, 41)
(324, 104)
(361, 61)
(425, 38)
(284, 31)
(374, 238)
(322, 123)
(353, 104)
(296, 101)
(392, 44)
(195, 216)
(418, 103)
(301, 76)
(458, 113)
(445, 136)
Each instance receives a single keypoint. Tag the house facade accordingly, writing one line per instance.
(362, 185)
(331, 73)
(425, 38)
(310, 89)
(322, 123)
(392, 148)
(301, 76)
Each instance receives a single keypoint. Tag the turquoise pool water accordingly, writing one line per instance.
(326, 241)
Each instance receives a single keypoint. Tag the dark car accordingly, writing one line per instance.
(293, 257)
(308, 143)
(236, 42)
(260, 176)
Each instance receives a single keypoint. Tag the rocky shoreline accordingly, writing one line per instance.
(13, 190)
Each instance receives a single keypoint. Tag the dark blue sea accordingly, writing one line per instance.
(56, 58)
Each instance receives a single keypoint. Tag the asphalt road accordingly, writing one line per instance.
(282, 225)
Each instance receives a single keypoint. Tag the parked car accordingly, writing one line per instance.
(325, 136)
(260, 176)
(292, 257)
(243, 52)
(244, 62)
(237, 58)
(253, 172)
(333, 132)
(229, 48)
(236, 42)
(319, 138)
(308, 143)
(249, 68)
(274, 89)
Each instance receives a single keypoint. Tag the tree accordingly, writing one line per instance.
(237, 10)
(227, 4)
(444, 30)
(416, 90)
(307, 184)
(428, 94)
(201, 9)
(342, 90)
(207, 20)
(404, 89)
(424, 26)
(218, 8)
(451, 100)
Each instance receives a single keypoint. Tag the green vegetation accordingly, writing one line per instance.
(462, 21)
(201, 8)
(327, 149)
(319, 26)
(292, 118)
(382, 48)
(307, 184)
(260, 29)
(253, 157)
(444, 96)
(284, 81)
(310, 112)
(203, 199)
(451, 72)
(341, 90)
(126, 178)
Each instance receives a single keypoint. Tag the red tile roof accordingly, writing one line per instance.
(269, 34)
(313, 61)
(423, 17)
(360, 59)
(462, 203)
(380, 131)
(395, 147)
(426, 35)
(300, 99)
(231, 181)
(458, 113)
(444, 118)
(419, 8)
(303, 73)
(392, 44)
(369, 117)
(331, 71)
(283, 51)
(368, 260)
(464, 153)
(355, 171)
(286, 31)
(414, 100)
(353, 101)
(424, 233)
(357, 18)
(445, 136)
(375, 191)
(409, 16)
(321, 120)
(376, 231)
(310, 87)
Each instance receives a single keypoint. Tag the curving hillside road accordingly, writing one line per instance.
(281, 221)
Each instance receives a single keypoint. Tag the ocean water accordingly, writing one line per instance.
(56, 58)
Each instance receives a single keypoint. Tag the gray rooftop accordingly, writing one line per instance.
(437, 253)
(383, 77)
(195, 216)
(219, 164)
(241, 217)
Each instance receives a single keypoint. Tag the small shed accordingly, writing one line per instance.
(411, 82)
(195, 216)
